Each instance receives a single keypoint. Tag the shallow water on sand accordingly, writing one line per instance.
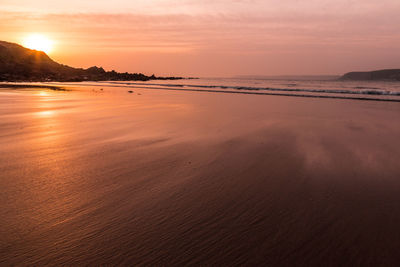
(305, 87)
(158, 177)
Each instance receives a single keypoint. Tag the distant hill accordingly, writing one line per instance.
(18, 63)
(389, 74)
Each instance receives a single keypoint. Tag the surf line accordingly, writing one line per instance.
(270, 94)
(243, 92)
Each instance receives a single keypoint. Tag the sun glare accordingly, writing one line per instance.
(38, 42)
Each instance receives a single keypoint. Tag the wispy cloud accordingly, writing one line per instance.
(276, 31)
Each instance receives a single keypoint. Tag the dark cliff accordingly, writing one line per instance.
(18, 63)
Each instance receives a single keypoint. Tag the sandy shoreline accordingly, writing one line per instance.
(164, 177)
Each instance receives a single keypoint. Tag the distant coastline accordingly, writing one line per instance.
(20, 64)
(377, 75)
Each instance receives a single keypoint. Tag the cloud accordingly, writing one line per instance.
(203, 7)
(202, 31)
(241, 31)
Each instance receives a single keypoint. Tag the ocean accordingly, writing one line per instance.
(301, 86)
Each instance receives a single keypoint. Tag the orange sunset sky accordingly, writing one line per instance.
(213, 37)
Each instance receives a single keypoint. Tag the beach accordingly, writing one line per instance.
(95, 175)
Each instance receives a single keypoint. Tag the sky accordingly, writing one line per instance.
(213, 38)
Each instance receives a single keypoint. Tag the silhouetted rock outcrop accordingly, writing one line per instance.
(18, 63)
(390, 74)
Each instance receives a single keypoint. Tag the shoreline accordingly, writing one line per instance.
(323, 94)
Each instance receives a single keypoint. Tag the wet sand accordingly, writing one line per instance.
(93, 177)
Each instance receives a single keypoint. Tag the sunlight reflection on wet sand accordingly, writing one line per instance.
(155, 177)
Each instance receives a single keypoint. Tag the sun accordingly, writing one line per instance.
(38, 42)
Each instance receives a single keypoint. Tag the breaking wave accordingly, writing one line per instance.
(359, 90)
